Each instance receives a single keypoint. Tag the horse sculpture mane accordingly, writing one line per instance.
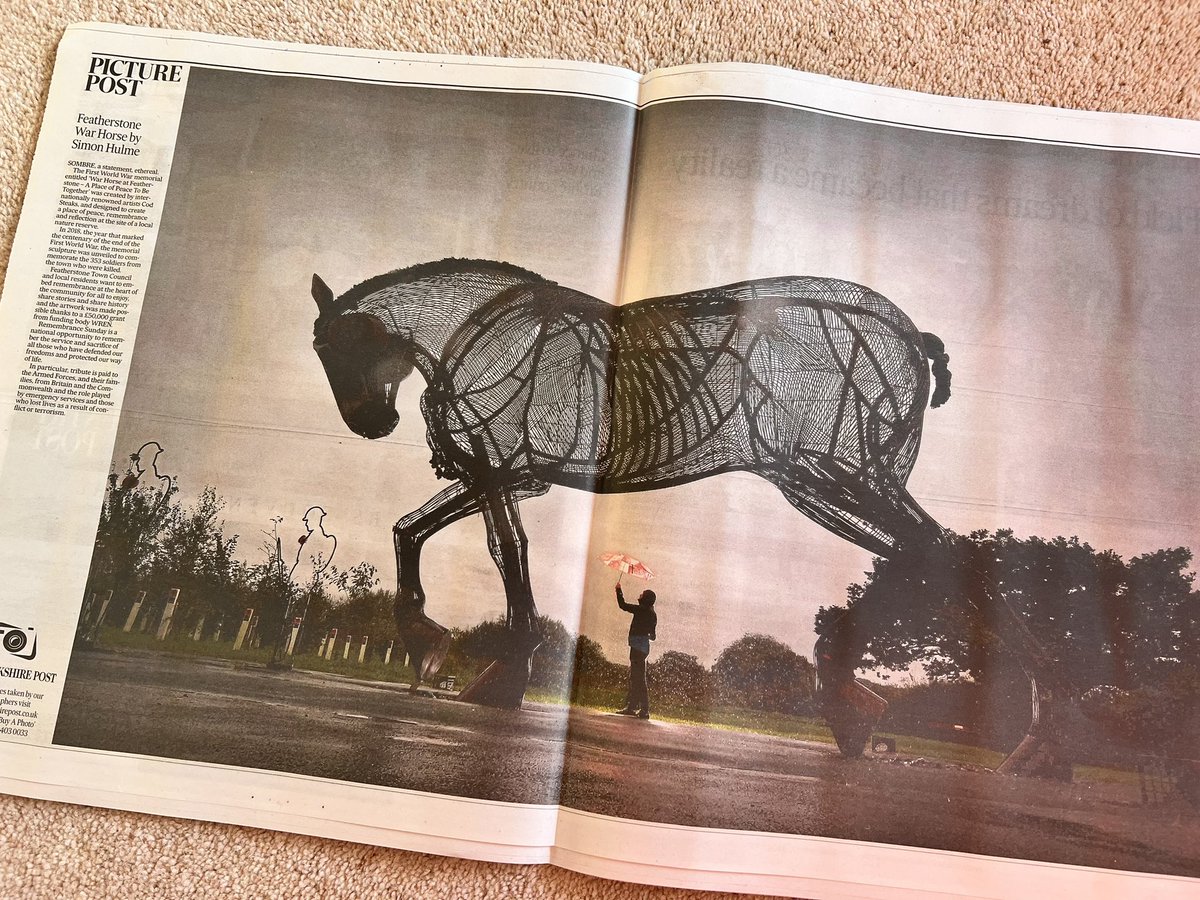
(450, 266)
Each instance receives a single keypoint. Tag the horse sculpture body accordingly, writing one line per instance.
(815, 384)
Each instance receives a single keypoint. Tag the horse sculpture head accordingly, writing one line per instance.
(364, 362)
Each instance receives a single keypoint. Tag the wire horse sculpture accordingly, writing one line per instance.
(815, 384)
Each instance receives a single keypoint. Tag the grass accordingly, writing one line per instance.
(946, 751)
(183, 645)
(1106, 776)
(794, 727)
(728, 718)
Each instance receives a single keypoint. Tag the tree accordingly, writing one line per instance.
(191, 552)
(364, 612)
(963, 611)
(596, 677)
(131, 520)
(276, 599)
(680, 680)
(1155, 627)
(357, 581)
(553, 662)
(761, 672)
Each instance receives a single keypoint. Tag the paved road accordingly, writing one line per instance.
(314, 724)
(333, 727)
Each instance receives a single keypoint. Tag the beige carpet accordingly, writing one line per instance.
(1133, 56)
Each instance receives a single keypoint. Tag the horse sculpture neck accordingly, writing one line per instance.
(427, 303)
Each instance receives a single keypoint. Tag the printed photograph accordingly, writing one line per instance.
(953, 562)
(771, 471)
(242, 606)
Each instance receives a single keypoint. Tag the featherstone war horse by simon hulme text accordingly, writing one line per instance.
(815, 384)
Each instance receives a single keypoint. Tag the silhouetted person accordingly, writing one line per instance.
(641, 633)
(315, 548)
(137, 470)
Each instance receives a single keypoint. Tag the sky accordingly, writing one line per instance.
(1062, 281)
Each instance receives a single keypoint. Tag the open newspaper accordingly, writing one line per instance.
(720, 477)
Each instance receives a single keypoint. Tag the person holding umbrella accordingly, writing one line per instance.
(642, 630)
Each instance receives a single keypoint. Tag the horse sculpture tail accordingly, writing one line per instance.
(935, 350)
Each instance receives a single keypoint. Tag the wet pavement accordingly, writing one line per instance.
(333, 727)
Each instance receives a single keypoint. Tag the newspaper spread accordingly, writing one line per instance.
(723, 477)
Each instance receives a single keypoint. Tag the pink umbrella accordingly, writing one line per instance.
(626, 565)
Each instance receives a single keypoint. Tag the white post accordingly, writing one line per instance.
(346, 649)
(199, 630)
(253, 638)
(133, 612)
(362, 651)
(85, 614)
(164, 624)
(294, 636)
(331, 642)
(103, 609)
(243, 629)
(387, 656)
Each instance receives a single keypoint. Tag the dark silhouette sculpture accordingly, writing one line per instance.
(316, 544)
(316, 547)
(134, 475)
(815, 384)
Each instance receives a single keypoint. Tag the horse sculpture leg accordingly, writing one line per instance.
(425, 640)
(882, 514)
(850, 709)
(504, 681)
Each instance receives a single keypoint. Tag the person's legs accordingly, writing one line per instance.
(639, 689)
(630, 706)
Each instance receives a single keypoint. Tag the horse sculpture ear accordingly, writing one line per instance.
(322, 294)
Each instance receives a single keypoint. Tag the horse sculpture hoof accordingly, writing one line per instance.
(432, 661)
(500, 684)
(852, 711)
(427, 644)
(851, 737)
(503, 682)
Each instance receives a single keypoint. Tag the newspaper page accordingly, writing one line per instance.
(346, 391)
(186, 501)
(818, 250)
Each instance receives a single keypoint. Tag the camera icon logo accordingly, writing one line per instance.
(20, 642)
